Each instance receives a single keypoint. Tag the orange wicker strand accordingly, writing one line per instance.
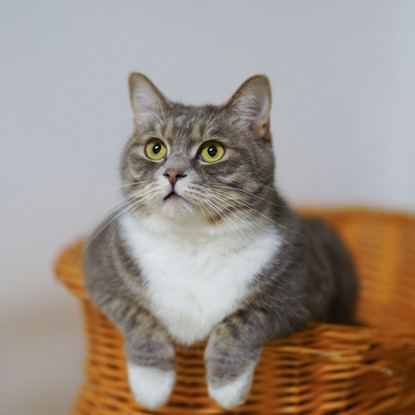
(324, 369)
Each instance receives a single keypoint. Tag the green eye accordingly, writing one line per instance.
(155, 149)
(212, 152)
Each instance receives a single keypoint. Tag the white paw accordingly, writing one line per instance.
(233, 393)
(150, 386)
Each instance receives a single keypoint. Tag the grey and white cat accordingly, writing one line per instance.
(205, 247)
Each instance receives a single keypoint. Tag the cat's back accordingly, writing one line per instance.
(341, 268)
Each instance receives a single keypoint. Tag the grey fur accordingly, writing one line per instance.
(311, 277)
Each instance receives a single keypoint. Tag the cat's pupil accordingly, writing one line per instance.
(212, 151)
(156, 148)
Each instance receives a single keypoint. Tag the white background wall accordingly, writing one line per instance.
(343, 121)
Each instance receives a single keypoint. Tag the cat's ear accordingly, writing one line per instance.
(146, 100)
(251, 105)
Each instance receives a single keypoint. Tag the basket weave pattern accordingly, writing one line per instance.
(324, 369)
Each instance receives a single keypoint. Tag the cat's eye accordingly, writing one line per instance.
(155, 149)
(211, 152)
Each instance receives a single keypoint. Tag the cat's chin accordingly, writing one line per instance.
(177, 208)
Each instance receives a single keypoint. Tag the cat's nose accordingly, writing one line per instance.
(173, 175)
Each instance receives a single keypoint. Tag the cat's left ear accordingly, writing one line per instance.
(146, 100)
(251, 105)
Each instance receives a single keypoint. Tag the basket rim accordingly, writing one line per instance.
(375, 211)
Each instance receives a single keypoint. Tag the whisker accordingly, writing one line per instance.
(255, 222)
(113, 215)
(202, 208)
(114, 190)
(229, 204)
(239, 205)
(207, 210)
(109, 219)
(266, 217)
(133, 207)
(112, 237)
(250, 216)
(200, 203)
(225, 218)
(126, 201)
(251, 194)
(251, 207)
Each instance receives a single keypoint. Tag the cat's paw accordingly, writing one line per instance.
(150, 386)
(232, 393)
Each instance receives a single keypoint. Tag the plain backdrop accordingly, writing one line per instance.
(343, 122)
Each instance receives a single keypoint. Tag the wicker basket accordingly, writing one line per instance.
(325, 369)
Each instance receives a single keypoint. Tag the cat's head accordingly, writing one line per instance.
(205, 162)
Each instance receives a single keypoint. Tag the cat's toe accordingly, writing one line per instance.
(232, 393)
(150, 386)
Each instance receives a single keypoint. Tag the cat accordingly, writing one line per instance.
(205, 248)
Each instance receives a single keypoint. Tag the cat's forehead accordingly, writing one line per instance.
(189, 125)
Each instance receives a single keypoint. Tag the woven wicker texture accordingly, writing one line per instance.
(325, 369)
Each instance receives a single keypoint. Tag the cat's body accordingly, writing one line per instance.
(207, 249)
(191, 293)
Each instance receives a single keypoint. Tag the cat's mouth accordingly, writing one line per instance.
(176, 206)
(172, 195)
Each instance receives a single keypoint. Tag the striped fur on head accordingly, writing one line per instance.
(216, 190)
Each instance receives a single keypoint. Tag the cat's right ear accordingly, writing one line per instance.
(250, 106)
(146, 100)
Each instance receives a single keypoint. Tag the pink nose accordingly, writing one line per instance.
(173, 175)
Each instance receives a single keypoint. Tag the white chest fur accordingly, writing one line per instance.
(193, 282)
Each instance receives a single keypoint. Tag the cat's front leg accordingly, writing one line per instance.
(151, 361)
(150, 386)
(231, 355)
